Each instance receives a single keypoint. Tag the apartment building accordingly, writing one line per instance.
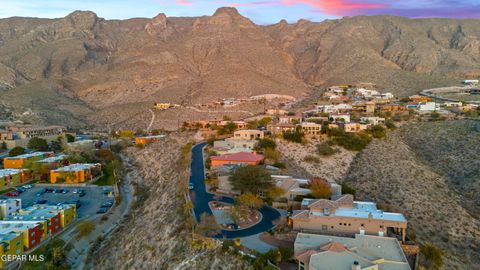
(75, 173)
(19, 135)
(9, 206)
(22, 161)
(12, 177)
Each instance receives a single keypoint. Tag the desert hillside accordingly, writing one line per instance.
(156, 232)
(82, 65)
(429, 171)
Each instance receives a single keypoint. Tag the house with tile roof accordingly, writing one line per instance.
(361, 252)
(243, 158)
(345, 216)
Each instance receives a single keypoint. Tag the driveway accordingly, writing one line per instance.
(200, 198)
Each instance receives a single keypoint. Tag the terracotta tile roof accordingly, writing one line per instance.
(305, 256)
(240, 156)
(333, 246)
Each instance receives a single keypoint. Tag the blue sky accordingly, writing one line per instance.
(260, 11)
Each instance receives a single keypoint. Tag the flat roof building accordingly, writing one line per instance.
(75, 173)
(344, 253)
(348, 217)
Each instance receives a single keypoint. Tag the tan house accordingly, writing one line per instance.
(355, 127)
(374, 120)
(363, 252)
(277, 129)
(348, 217)
(364, 107)
(248, 134)
(311, 129)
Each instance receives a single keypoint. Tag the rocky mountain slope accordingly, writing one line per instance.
(429, 172)
(81, 64)
(156, 235)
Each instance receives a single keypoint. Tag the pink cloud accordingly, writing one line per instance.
(184, 2)
(337, 7)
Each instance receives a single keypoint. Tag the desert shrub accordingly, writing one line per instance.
(346, 189)
(432, 257)
(324, 149)
(377, 131)
(266, 143)
(85, 227)
(311, 159)
(296, 136)
(390, 124)
(279, 165)
(353, 142)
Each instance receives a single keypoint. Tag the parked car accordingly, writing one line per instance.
(12, 194)
(41, 192)
(107, 204)
(81, 194)
(28, 186)
(20, 189)
(190, 186)
(49, 190)
(75, 191)
(102, 210)
(40, 201)
(65, 191)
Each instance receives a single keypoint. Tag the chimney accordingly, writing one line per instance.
(356, 266)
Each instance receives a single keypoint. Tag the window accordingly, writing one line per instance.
(362, 225)
(302, 266)
(381, 226)
(324, 227)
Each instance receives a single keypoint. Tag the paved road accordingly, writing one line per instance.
(201, 198)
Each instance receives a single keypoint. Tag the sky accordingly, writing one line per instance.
(260, 11)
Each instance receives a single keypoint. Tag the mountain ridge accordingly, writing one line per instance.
(189, 60)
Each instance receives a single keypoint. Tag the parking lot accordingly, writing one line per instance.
(91, 202)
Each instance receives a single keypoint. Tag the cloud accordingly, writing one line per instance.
(338, 7)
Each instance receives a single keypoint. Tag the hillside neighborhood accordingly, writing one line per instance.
(269, 183)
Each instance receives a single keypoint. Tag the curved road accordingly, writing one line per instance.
(200, 198)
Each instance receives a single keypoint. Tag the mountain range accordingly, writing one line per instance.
(71, 69)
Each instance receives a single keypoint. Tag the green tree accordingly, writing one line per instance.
(272, 155)
(70, 138)
(432, 257)
(265, 121)
(266, 143)
(3, 147)
(17, 150)
(296, 136)
(319, 188)
(249, 200)
(251, 179)
(353, 142)
(38, 144)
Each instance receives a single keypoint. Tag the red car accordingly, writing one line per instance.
(12, 194)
